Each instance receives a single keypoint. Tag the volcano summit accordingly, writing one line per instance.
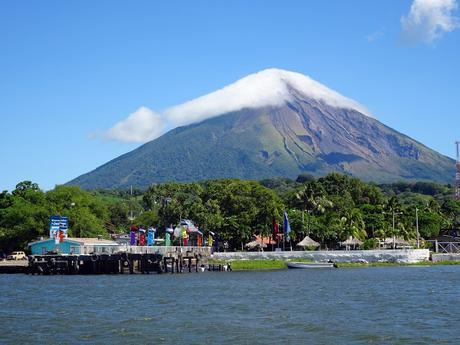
(268, 124)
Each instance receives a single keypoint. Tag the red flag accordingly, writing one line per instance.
(275, 229)
(142, 239)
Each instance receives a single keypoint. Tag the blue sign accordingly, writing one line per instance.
(64, 224)
(55, 221)
(58, 225)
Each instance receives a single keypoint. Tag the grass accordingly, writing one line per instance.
(256, 265)
(246, 265)
(389, 264)
(444, 263)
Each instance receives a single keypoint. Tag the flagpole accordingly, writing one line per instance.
(286, 230)
(278, 241)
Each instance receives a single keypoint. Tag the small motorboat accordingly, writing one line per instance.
(311, 265)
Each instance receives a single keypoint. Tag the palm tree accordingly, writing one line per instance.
(433, 206)
(353, 225)
(312, 199)
(394, 207)
(403, 231)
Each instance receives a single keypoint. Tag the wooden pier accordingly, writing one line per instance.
(120, 263)
(135, 260)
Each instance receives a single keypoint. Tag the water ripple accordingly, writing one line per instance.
(388, 305)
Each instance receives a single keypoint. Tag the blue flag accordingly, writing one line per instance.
(132, 238)
(151, 236)
(286, 226)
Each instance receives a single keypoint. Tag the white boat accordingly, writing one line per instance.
(311, 265)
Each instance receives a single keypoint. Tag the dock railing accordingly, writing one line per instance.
(163, 250)
(445, 247)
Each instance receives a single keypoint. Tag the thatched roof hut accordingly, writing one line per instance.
(398, 241)
(307, 242)
(253, 245)
(394, 241)
(351, 242)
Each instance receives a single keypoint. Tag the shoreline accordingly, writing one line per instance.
(265, 265)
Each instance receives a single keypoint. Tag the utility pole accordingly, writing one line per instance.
(457, 173)
(131, 206)
(416, 226)
(394, 235)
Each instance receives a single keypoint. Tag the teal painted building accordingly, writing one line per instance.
(73, 246)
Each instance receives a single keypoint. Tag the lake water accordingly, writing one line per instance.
(388, 305)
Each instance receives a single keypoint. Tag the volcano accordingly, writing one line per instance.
(273, 123)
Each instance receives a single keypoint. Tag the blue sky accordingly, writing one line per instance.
(71, 69)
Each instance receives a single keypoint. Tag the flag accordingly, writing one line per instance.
(151, 236)
(183, 233)
(286, 226)
(210, 240)
(275, 229)
(142, 237)
(168, 239)
(132, 238)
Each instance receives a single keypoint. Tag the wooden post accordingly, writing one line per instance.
(142, 264)
(131, 266)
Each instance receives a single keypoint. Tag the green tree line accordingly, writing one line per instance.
(328, 209)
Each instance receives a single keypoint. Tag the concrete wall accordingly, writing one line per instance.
(399, 256)
(445, 257)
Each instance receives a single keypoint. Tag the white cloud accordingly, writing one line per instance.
(141, 126)
(270, 87)
(428, 20)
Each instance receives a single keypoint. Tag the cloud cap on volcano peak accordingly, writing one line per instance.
(270, 87)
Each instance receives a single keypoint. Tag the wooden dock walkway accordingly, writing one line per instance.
(133, 261)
